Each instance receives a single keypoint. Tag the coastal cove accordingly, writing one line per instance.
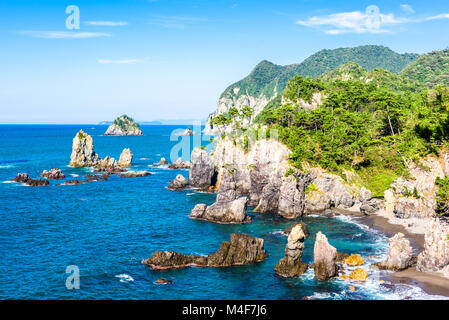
(107, 228)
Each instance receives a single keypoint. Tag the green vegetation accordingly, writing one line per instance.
(126, 123)
(430, 69)
(375, 128)
(268, 79)
(311, 188)
(442, 196)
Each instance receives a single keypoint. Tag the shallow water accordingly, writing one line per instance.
(107, 228)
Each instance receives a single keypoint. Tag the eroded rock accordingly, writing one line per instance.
(399, 254)
(83, 154)
(125, 159)
(179, 183)
(53, 174)
(324, 258)
(291, 265)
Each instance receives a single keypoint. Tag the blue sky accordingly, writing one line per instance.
(162, 59)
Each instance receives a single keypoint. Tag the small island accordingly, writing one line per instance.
(124, 126)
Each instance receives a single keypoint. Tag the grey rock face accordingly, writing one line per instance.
(291, 265)
(202, 169)
(435, 255)
(399, 254)
(179, 183)
(371, 206)
(227, 188)
(83, 154)
(324, 258)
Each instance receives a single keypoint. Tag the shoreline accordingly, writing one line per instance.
(430, 282)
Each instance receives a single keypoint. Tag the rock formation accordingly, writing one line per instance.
(359, 274)
(179, 183)
(163, 162)
(291, 265)
(186, 132)
(399, 254)
(179, 164)
(83, 154)
(242, 249)
(25, 178)
(324, 258)
(125, 159)
(303, 226)
(226, 212)
(124, 126)
(202, 169)
(435, 255)
(134, 174)
(53, 174)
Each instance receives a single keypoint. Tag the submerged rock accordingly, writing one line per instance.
(25, 178)
(291, 265)
(354, 260)
(226, 212)
(359, 274)
(134, 174)
(179, 164)
(53, 174)
(242, 249)
(399, 254)
(125, 159)
(124, 126)
(83, 154)
(324, 258)
(202, 169)
(179, 183)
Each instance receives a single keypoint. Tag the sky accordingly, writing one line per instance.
(164, 59)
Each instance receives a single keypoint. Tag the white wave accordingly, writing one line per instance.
(279, 232)
(6, 166)
(124, 277)
(75, 175)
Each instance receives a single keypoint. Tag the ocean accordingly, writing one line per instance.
(106, 228)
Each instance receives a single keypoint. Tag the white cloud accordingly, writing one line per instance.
(407, 8)
(106, 23)
(351, 22)
(438, 17)
(107, 61)
(65, 34)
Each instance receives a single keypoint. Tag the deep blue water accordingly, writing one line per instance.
(107, 228)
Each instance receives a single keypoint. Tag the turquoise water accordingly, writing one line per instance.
(107, 228)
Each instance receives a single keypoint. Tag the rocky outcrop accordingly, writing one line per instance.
(242, 249)
(163, 162)
(291, 265)
(124, 126)
(107, 163)
(354, 260)
(179, 183)
(399, 254)
(83, 154)
(134, 174)
(324, 258)
(95, 177)
(125, 159)
(303, 226)
(225, 212)
(70, 183)
(202, 169)
(53, 174)
(25, 178)
(179, 164)
(435, 255)
(186, 132)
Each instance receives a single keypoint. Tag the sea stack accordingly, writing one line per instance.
(124, 126)
(291, 265)
(125, 159)
(324, 258)
(83, 154)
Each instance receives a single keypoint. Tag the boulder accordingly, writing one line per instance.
(107, 163)
(226, 212)
(242, 249)
(371, 206)
(354, 260)
(83, 154)
(399, 254)
(134, 174)
(53, 174)
(179, 164)
(435, 255)
(324, 258)
(179, 183)
(291, 265)
(125, 159)
(202, 169)
(163, 162)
